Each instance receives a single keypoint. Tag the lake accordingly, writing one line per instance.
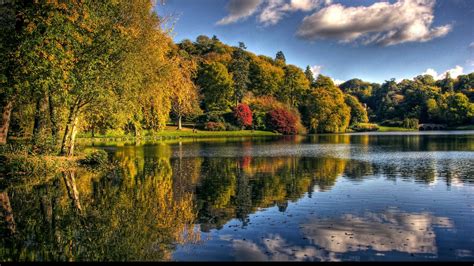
(363, 197)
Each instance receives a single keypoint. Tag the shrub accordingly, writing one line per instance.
(231, 127)
(282, 121)
(392, 123)
(259, 120)
(411, 123)
(97, 157)
(262, 105)
(243, 115)
(214, 126)
(363, 127)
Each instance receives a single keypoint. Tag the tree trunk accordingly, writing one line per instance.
(5, 122)
(53, 119)
(179, 123)
(70, 181)
(7, 213)
(39, 120)
(68, 130)
(70, 151)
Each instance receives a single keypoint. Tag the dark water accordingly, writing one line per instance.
(319, 198)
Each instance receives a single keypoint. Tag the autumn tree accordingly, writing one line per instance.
(328, 111)
(185, 94)
(295, 86)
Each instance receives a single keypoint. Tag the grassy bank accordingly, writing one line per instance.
(188, 133)
(395, 129)
(468, 127)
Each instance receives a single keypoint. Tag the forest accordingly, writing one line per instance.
(85, 66)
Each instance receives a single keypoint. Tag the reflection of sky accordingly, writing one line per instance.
(383, 232)
(387, 231)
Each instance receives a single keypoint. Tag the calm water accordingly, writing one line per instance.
(318, 198)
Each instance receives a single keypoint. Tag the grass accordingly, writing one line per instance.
(395, 129)
(468, 127)
(188, 133)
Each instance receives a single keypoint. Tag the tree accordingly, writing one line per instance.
(309, 74)
(295, 86)
(216, 84)
(265, 78)
(456, 109)
(327, 109)
(239, 68)
(185, 94)
(358, 112)
(282, 121)
(243, 115)
(446, 84)
(280, 58)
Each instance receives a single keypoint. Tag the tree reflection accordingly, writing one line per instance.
(128, 213)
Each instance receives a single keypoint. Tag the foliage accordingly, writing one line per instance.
(215, 126)
(410, 123)
(328, 111)
(364, 127)
(358, 112)
(216, 84)
(96, 157)
(282, 121)
(243, 115)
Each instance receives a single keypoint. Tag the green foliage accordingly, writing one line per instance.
(216, 84)
(240, 68)
(410, 123)
(365, 127)
(95, 158)
(358, 112)
(327, 109)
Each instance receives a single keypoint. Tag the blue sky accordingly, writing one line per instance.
(367, 39)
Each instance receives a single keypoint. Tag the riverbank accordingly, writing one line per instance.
(171, 132)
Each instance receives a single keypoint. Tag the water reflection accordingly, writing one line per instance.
(323, 197)
(387, 231)
(390, 230)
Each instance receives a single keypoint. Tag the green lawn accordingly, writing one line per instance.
(188, 132)
(468, 127)
(394, 129)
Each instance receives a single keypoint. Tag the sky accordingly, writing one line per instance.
(368, 39)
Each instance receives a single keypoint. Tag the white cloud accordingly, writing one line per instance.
(239, 10)
(471, 45)
(275, 10)
(454, 72)
(338, 81)
(381, 23)
(316, 70)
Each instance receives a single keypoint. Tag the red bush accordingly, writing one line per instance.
(214, 126)
(282, 121)
(243, 115)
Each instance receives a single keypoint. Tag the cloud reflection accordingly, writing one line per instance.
(391, 230)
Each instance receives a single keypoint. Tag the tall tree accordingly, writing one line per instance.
(280, 58)
(309, 75)
(327, 109)
(295, 86)
(217, 86)
(185, 94)
(239, 68)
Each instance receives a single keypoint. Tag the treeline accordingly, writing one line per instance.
(87, 65)
(101, 66)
